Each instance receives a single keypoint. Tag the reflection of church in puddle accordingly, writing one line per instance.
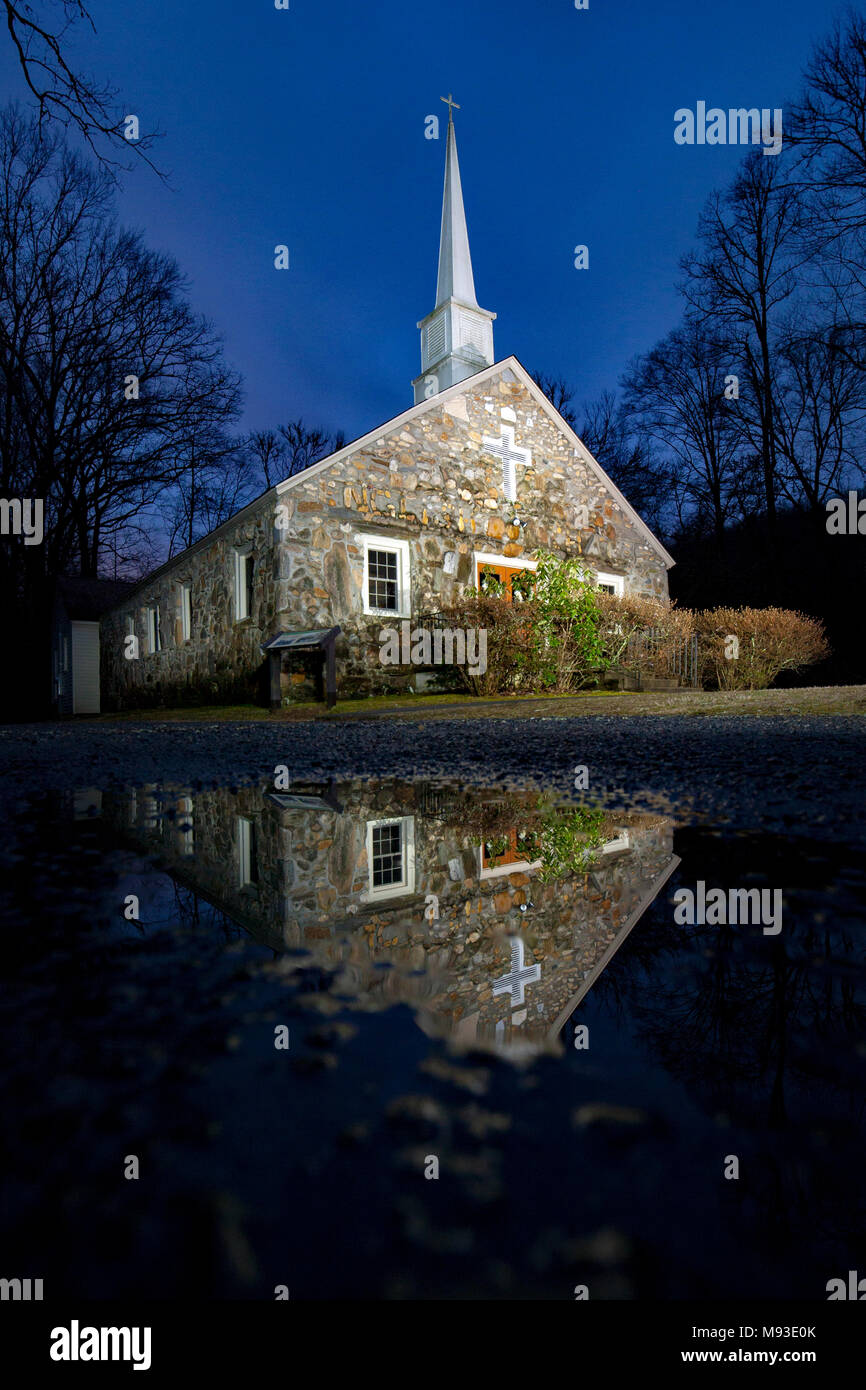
(458, 892)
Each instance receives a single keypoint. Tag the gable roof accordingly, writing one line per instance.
(499, 368)
(452, 392)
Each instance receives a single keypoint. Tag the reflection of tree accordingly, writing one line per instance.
(762, 1031)
(196, 913)
(563, 838)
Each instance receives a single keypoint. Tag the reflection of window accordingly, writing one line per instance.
(621, 842)
(184, 825)
(391, 857)
(248, 866)
(508, 852)
(386, 576)
(611, 584)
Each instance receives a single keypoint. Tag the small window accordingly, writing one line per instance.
(244, 568)
(386, 576)
(383, 579)
(611, 584)
(248, 859)
(391, 857)
(186, 612)
(154, 629)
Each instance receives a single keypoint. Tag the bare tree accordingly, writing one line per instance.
(38, 32)
(106, 373)
(289, 449)
(675, 394)
(751, 237)
(820, 409)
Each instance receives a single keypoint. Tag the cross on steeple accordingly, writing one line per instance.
(520, 975)
(450, 103)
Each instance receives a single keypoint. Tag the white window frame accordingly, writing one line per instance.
(243, 598)
(154, 629)
(617, 580)
(407, 847)
(246, 837)
(399, 548)
(185, 612)
(520, 866)
(621, 842)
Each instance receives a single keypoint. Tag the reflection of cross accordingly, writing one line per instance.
(519, 976)
(504, 448)
(450, 104)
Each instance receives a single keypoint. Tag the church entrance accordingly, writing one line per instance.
(503, 578)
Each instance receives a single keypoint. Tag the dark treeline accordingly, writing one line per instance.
(732, 433)
(118, 411)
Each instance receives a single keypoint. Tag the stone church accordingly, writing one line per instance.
(480, 473)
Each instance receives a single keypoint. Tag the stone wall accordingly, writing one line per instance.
(312, 891)
(427, 481)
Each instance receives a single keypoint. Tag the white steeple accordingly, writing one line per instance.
(457, 338)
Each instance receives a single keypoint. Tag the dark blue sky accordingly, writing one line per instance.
(306, 127)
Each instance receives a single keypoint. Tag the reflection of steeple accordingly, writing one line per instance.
(457, 338)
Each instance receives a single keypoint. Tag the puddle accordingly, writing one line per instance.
(295, 1008)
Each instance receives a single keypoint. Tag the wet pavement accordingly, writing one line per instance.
(412, 1012)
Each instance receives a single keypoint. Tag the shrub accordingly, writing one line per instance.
(569, 618)
(771, 640)
(547, 639)
(513, 657)
(625, 618)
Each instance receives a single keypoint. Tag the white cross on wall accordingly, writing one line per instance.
(504, 448)
(520, 975)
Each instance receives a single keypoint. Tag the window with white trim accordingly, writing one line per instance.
(386, 577)
(611, 584)
(154, 629)
(244, 572)
(390, 857)
(186, 612)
